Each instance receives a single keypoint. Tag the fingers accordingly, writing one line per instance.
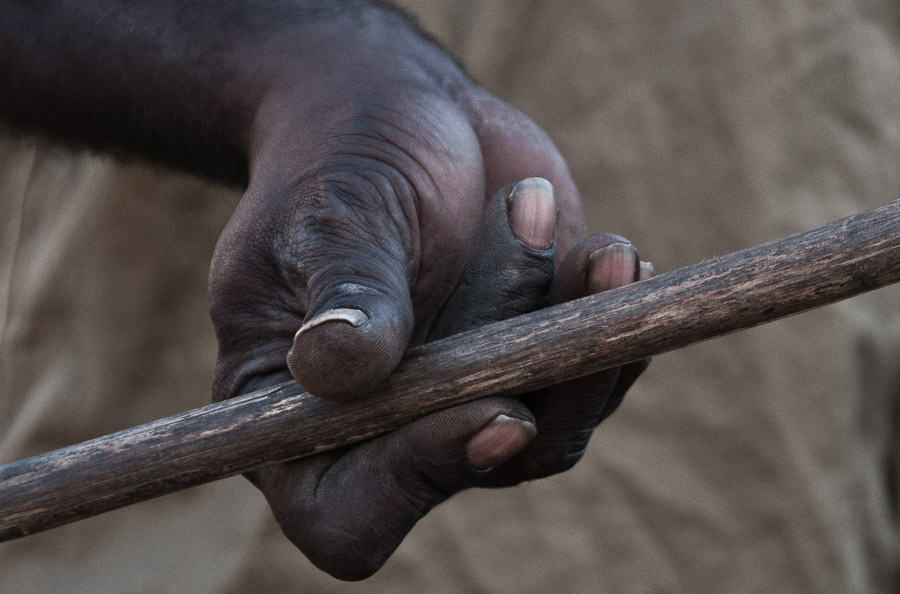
(355, 263)
(359, 322)
(511, 267)
(367, 243)
(567, 414)
(513, 148)
(318, 275)
(349, 511)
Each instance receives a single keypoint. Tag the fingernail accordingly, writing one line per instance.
(354, 317)
(611, 267)
(647, 271)
(500, 440)
(531, 210)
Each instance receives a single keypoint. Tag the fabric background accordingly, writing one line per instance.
(766, 461)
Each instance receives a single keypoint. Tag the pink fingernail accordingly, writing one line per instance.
(611, 267)
(531, 209)
(498, 441)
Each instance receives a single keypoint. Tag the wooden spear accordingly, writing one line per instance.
(673, 310)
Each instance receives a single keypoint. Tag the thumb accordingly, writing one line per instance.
(355, 264)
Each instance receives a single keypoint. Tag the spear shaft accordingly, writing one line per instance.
(713, 298)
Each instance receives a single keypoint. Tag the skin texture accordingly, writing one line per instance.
(349, 510)
(389, 201)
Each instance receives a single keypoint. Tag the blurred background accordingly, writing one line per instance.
(766, 461)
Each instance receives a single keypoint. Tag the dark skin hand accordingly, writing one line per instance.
(368, 226)
(348, 510)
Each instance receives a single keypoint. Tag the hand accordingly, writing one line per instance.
(369, 175)
(368, 158)
(348, 510)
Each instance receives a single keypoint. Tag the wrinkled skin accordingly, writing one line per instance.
(369, 180)
(368, 224)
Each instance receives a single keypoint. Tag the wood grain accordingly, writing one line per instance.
(673, 310)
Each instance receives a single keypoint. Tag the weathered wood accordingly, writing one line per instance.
(709, 299)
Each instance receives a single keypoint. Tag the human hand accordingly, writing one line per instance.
(348, 510)
(368, 158)
(368, 179)
(369, 173)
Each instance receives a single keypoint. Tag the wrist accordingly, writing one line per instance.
(180, 83)
(309, 79)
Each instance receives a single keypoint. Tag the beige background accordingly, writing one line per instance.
(762, 462)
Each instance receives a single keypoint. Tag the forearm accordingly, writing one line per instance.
(176, 82)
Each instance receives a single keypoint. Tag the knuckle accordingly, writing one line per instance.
(365, 208)
(363, 181)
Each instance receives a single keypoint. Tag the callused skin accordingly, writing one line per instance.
(370, 162)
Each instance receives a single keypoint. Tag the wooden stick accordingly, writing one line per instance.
(703, 301)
